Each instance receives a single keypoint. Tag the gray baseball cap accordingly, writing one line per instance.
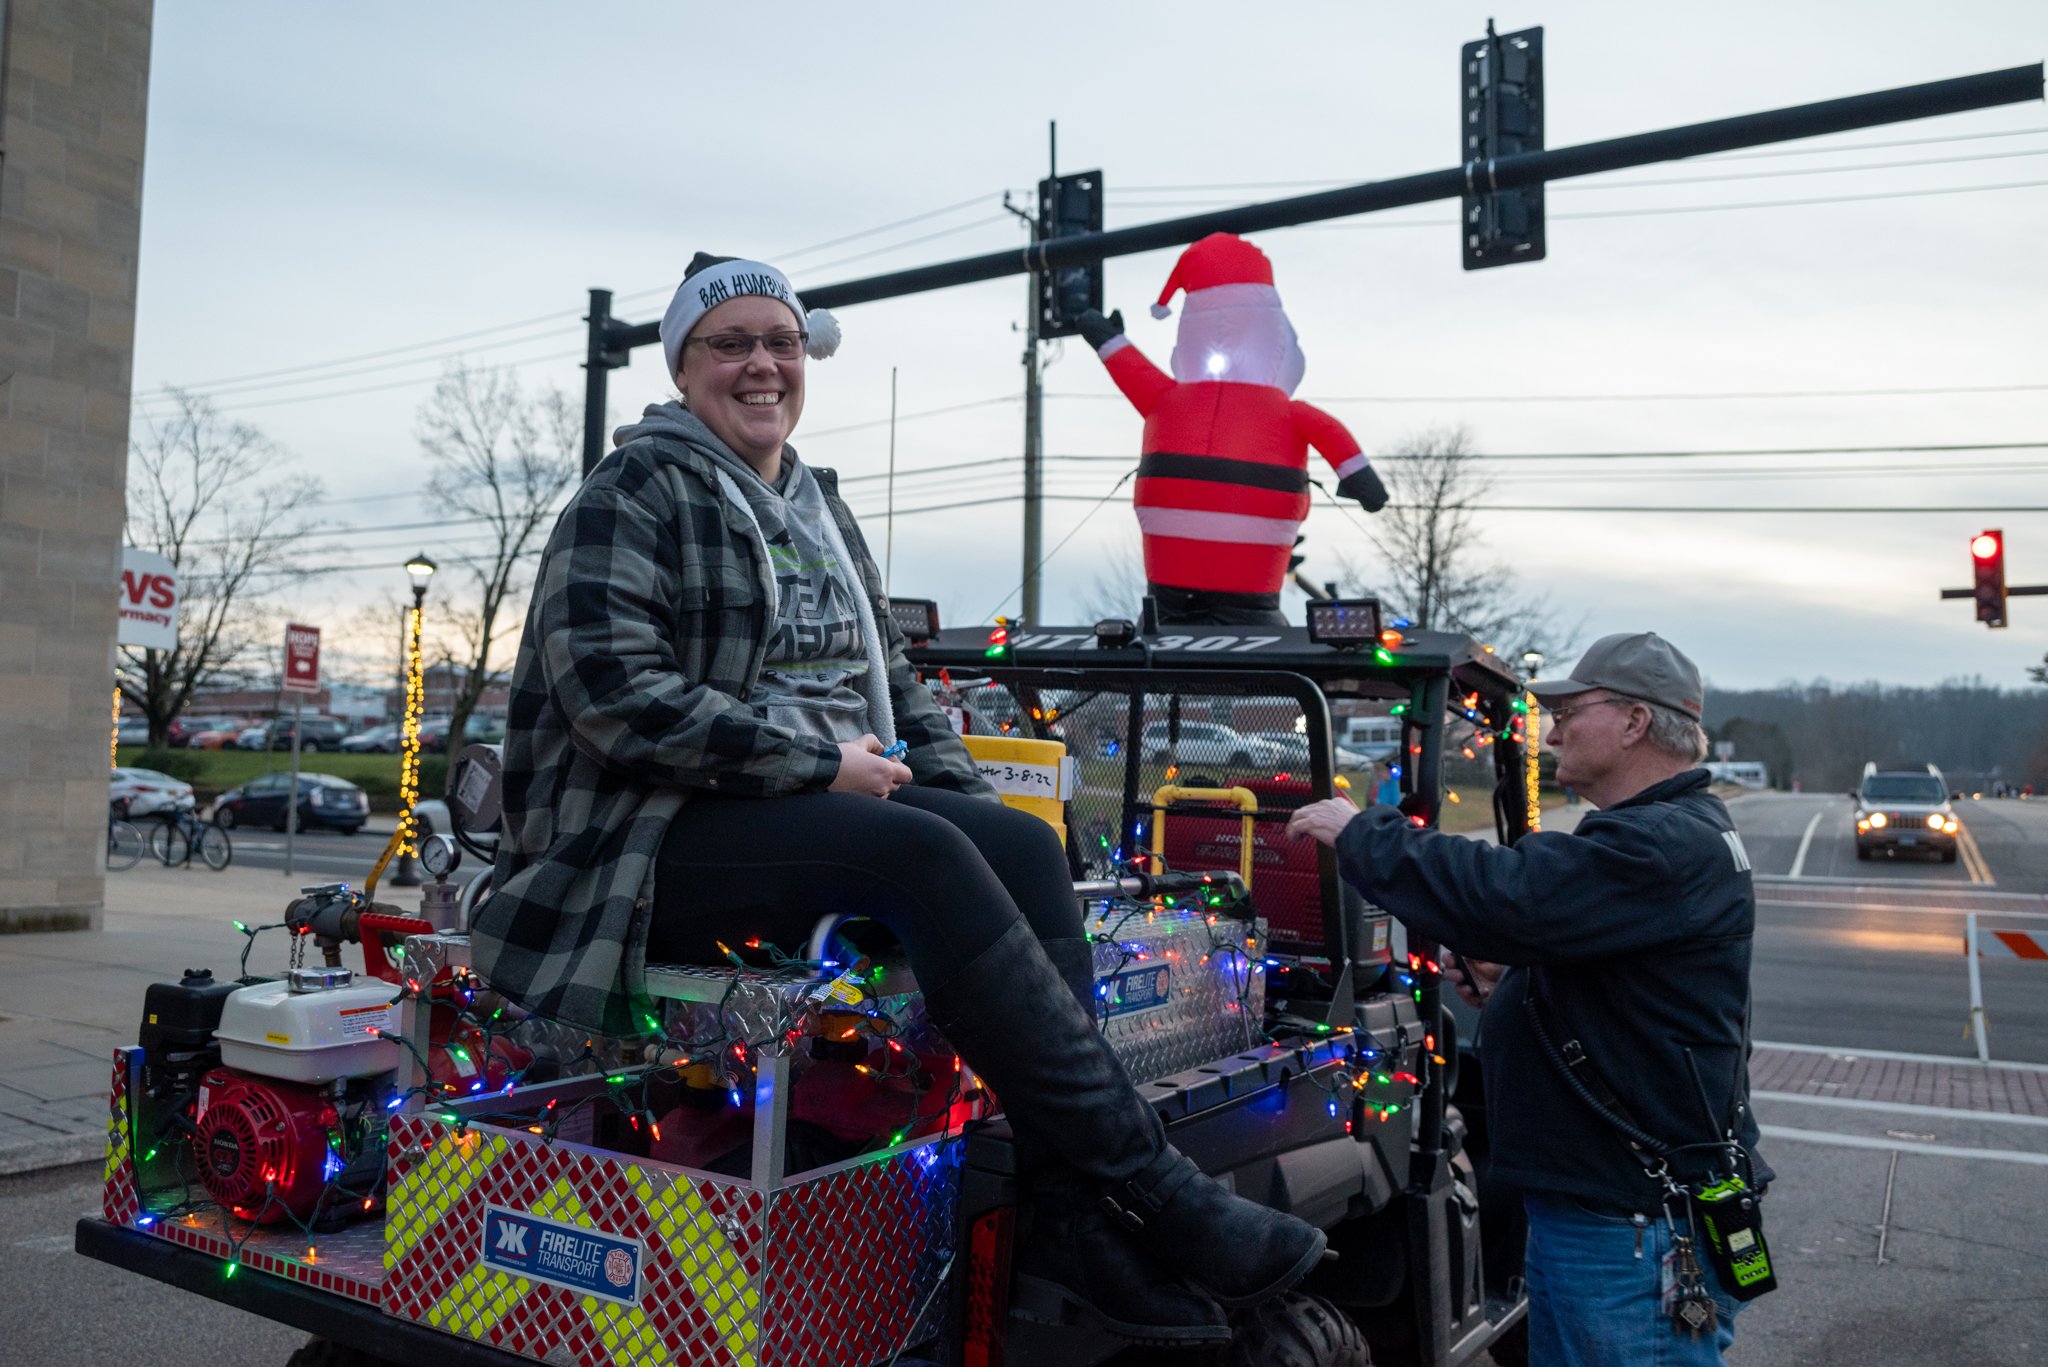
(1635, 664)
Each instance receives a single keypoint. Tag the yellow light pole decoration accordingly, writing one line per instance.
(420, 569)
(114, 737)
(1532, 740)
(1532, 746)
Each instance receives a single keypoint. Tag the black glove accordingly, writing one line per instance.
(1097, 330)
(1364, 485)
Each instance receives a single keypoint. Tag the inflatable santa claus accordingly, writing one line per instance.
(1223, 481)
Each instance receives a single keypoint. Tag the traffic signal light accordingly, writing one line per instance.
(1067, 207)
(1987, 558)
(1502, 79)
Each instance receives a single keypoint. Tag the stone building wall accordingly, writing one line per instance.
(74, 75)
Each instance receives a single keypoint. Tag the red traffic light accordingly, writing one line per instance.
(1987, 554)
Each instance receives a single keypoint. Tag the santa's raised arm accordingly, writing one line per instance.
(1223, 482)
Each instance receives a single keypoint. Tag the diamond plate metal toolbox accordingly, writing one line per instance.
(568, 1254)
(574, 1253)
(1176, 987)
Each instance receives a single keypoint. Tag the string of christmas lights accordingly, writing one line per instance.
(409, 761)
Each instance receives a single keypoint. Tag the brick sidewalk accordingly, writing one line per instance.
(1963, 1085)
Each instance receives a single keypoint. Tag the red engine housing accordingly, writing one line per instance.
(262, 1145)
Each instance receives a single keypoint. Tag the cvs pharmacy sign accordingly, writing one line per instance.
(149, 593)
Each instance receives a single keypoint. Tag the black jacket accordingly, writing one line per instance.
(1639, 924)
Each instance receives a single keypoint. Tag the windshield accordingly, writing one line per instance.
(1903, 788)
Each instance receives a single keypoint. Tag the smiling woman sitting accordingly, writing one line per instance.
(699, 747)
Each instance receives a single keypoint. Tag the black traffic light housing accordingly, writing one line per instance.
(1067, 207)
(1501, 77)
(1987, 558)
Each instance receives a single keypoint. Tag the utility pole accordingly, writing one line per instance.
(1034, 399)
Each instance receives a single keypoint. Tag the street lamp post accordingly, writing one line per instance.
(420, 569)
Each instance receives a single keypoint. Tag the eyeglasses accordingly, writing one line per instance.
(737, 346)
(1560, 715)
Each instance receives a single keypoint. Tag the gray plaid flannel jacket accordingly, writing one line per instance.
(646, 633)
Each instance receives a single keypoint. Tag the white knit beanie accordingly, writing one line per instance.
(711, 280)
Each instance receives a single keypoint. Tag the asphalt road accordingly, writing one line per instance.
(317, 856)
(61, 1310)
(1833, 970)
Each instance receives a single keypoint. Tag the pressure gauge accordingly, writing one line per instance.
(439, 855)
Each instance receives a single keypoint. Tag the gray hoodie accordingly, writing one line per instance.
(824, 674)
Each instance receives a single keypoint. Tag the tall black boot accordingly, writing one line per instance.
(1074, 960)
(1013, 1018)
(1068, 1258)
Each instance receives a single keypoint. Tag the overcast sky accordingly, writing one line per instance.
(327, 183)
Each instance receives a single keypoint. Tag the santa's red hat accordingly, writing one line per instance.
(1218, 259)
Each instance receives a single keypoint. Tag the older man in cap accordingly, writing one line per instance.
(1627, 946)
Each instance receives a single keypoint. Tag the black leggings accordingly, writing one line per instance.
(946, 873)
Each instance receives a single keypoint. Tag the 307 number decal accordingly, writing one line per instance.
(1237, 644)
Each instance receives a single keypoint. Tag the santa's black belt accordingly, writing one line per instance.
(1222, 470)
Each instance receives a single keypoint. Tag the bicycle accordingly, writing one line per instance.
(125, 844)
(178, 835)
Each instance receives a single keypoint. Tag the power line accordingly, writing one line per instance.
(1664, 397)
(1689, 455)
(1732, 509)
(910, 242)
(1692, 208)
(558, 316)
(376, 388)
(1760, 451)
(1807, 171)
(1819, 199)
(167, 395)
(1672, 396)
(886, 227)
(1874, 146)
(1723, 156)
(387, 351)
(1678, 180)
(1348, 226)
(909, 417)
(1818, 511)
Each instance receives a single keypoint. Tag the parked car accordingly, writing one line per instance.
(132, 732)
(252, 737)
(216, 733)
(324, 801)
(377, 740)
(1293, 748)
(145, 792)
(434, 732)
(1205, 742)
(321, 733)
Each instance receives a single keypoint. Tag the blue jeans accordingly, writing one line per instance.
(1594, 1303)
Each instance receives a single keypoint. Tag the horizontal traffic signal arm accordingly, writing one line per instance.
(2014, 85)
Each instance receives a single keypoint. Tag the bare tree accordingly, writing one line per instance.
(194, 496)
(1434, 573)
(501, 458)
(1119, 585)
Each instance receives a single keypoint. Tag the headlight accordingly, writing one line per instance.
(313, 799)
(1877, 820)
(1949, 825)
(1935, 820)
(1862, 825)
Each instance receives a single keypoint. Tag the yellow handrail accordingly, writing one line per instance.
(1247, 802)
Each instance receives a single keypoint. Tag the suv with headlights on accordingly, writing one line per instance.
(1904, 810)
